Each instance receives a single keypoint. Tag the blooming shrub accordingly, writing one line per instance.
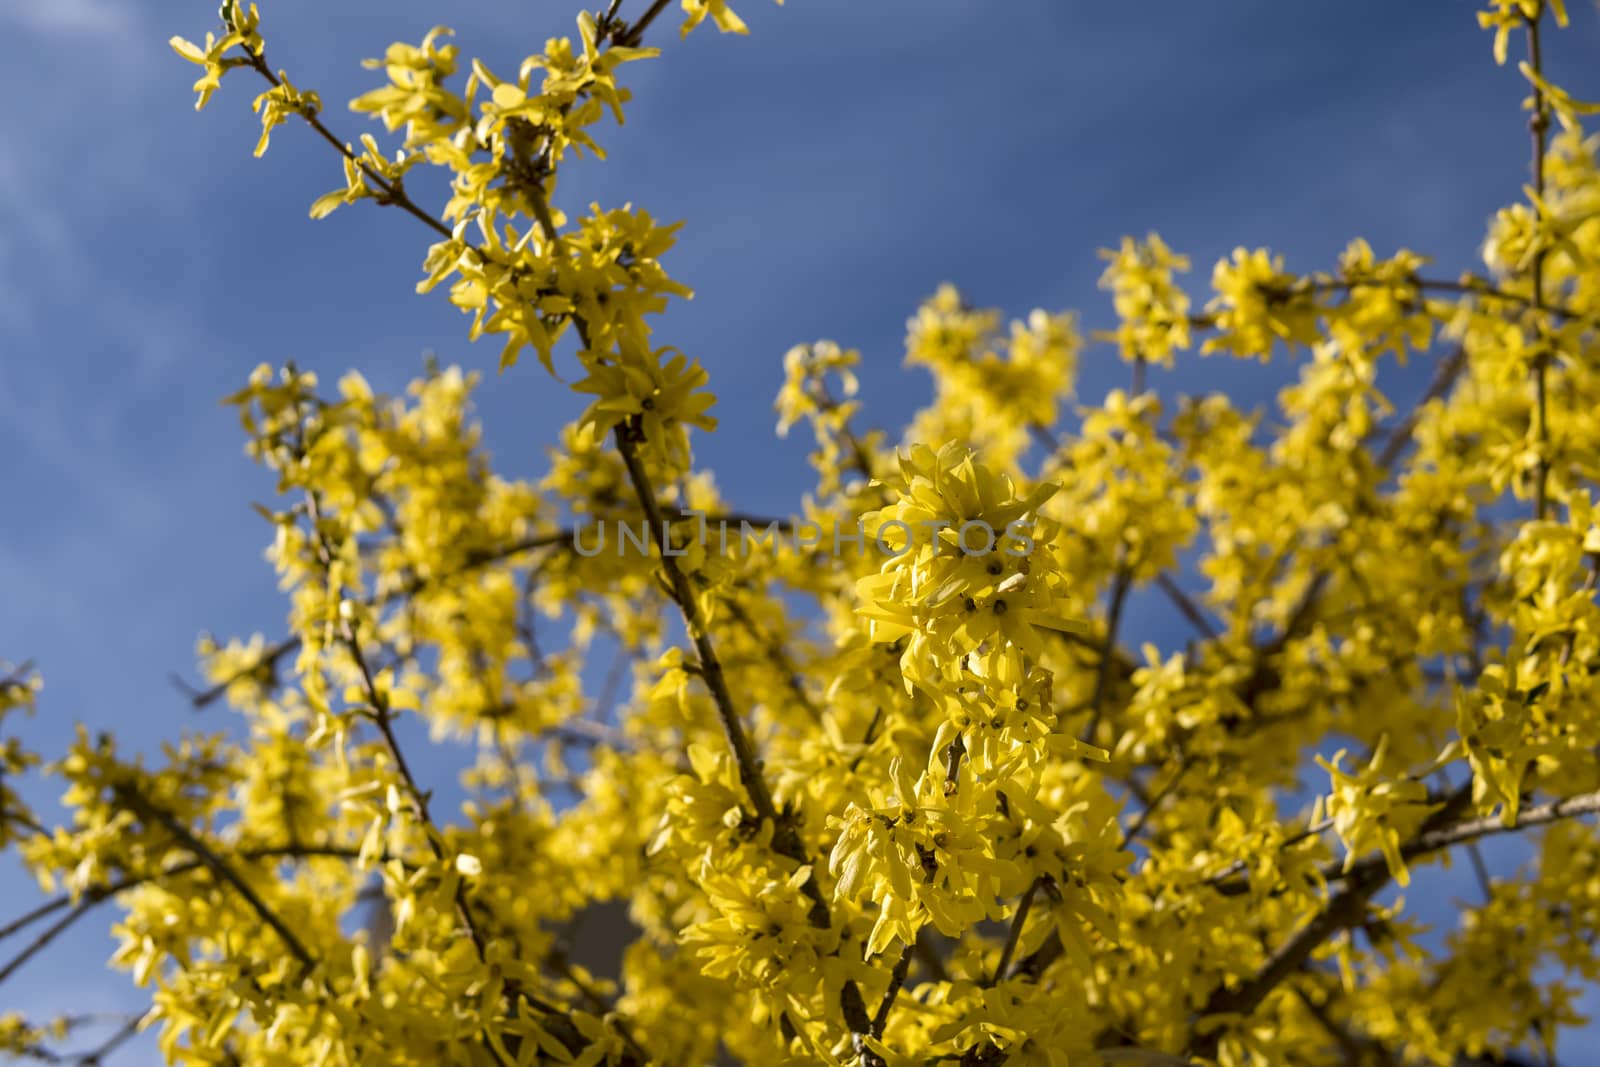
(940, 812)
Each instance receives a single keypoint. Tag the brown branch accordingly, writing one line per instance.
(391, 193)
(1108, 650)
(1347, 908)
(1539, 128)
(382, 716)
(92, 1057)
(142, 807)
(1444, 377)
(629, 36)
(1155, 801)
(46, 936)
(1442, 837)
(1018, 921)
(1223, 880)
(89, 898)
(565, 538)
(778, 657)
(97, 1055)
(600, 1004)
(267, 662)
(18, 676)
(1186, 606)
(1478, 287)
(1426, 842)
(1356, 1049)
(860, 458)
(868, 737)
(1120, 585)
(786, 839)
(897, 979)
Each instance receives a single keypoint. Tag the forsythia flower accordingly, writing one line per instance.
(804, 394)
(1154, 312)
(659, 401)
(278, 103)
(719, 12)
(920, 854)
(962, 575)
(1369, 809)
(241, 30)
(416, 97)
(1504, 16)
(1258, 305)
(994, 389)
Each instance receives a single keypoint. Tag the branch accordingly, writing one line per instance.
(1539, 127)
(97, 1055)
(1462, 287)
(1018, 920)
(92, 1057)
(1224, 881)
(266, 662)
(629, 36)
(1444, 376)
(1102, 679)
(214, 863)
(1155, 801)
(565, 539)
(1426, 842)
(1346, 909)
(49, 934)
(1458, 833)
(897, 979)
(1186, 605)
(390, 192)
(382, 716)
(17, 677)
(776, 654)
(85, 901)
(786, 839)
(1119, 595)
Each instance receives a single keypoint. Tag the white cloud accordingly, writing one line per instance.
(67, 16)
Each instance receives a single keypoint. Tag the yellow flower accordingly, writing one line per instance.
(658, 401)
(241, 30)
(1257, 305)
(963, 572)
(1374, 809)
(696, 12)
(278, 103)
(1154, 312)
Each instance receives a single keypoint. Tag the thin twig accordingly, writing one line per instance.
(1018, 921)
(390, 192)
(1186, 605)
(897, 979)
(46, 936)
(217, 866)
(1539, 128)
(1463, 287)
(1155, 801)
(1444, 376)
(1120, 584)
(1347, 908)
(634, 33)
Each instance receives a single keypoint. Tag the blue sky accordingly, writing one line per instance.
(832, 170)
